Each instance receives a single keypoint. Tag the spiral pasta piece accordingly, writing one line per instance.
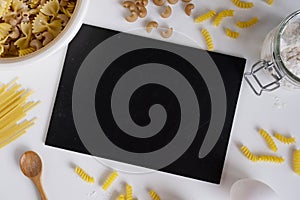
(24, 52)
(109, 181)
(248, 154)
(206, 16)
(284, 139)
(128, 192)
(270, 2)
(83, 175)
(270, 142)
(154, 195)
(231, 33)
(273, 159)
(243, 4)
(296, 161)
(208, 39)
(247, 24)
(221, 15)
(121, 197)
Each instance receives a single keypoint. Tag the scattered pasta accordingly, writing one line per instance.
(274, 159)
(13, 108)
(221, 15)
(248, 154)
(208, 39)
(83, 175)
(268, 140)
(247, 24)
(22, 22)
(109, 181)
(206, 16)
(154, 195)
(296, 161)
(284, 139)
(231, 33)
(270, 2)
(243, 4)
(128, 192)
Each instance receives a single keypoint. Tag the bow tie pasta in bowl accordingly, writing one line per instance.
(34, 29)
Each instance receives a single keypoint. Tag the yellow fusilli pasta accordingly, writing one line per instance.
(270, 2)
(231, 33)
(121, 197)
(284, 139)
(83, 175)
(243, 4)
(129, 194)
(24, 52)
(267, 158)
(154, 195)
(247, 24)
(248, 154)
(221, 15)
(208, 39)
(206, 16)
(296, 161)
(110, 179)
(269, 140)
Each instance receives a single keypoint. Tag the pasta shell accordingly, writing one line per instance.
(4, 30)
(51, 8)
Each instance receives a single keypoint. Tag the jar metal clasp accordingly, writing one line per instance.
(255, 81)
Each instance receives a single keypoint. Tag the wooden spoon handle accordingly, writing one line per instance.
(40, 189)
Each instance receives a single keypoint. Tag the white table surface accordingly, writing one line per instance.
(273, 111)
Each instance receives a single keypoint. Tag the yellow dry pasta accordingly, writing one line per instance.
(13, 108)
(206, 16)
(129, 192)
(24, 52)
(270, 2)
(284, 139)
(109, 181)
(121, 197)
(296, 161)
(231, 33)
(4, 6)
(83, 175)
(269, 140)
(208, 39)
(154, 195)
(23, 42)
(221, 15)
(244, 149)
(51, 8)
(243, 4)
(47, 18)
(4, 30)
(273, 159)
(247, 24)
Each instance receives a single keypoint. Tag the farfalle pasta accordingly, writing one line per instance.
(26, 26)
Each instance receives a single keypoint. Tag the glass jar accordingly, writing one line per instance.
(280, 58)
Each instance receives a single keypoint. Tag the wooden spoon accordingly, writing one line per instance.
(31, 166)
